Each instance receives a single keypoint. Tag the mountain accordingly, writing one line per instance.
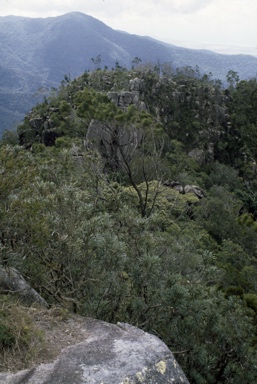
(37, 53)
(132, 200)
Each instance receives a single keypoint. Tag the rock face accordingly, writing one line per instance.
(12, 281)
(197, 191)
(111, 354)
(134, 96)
(110, 141)
(41, 130)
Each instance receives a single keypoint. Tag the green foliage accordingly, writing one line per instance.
(218, 212)
(251, 301)
(238, 140)
(216, 335)
(9, 137)
(101, 232)
(7, 339)
(232, 79)
(225, 176)
(18, 334)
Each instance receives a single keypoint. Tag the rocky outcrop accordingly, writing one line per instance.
(40, 130)
(197, 191)
(134, 96)
(109, 354)
(12, 282)
(49, 136)
(137, 84)
(124, 99)
(115, 144)
(203, 156)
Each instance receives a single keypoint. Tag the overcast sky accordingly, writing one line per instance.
(212, 24)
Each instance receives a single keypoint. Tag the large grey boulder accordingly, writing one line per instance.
(197, 191)
(109, 354)
(12, 282)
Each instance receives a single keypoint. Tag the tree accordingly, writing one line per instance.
(232, 79)
(93, 225)
(132, 145)
(136, 61)
(97, 62)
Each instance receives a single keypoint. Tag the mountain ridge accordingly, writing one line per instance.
(38, 52)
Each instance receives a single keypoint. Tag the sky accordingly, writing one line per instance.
(226, 26)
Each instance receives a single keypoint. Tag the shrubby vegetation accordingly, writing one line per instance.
(95, 223)
(19, 337)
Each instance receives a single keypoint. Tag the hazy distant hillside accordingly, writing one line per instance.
(37, 53)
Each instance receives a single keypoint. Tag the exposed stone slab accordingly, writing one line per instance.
(111, 354)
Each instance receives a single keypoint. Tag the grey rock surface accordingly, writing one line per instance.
(111, 354)
(11, 281)
(110, 140)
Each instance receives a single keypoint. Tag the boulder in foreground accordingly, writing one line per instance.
(110, 354)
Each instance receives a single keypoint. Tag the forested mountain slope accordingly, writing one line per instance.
(132, 197)
(37, 53)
